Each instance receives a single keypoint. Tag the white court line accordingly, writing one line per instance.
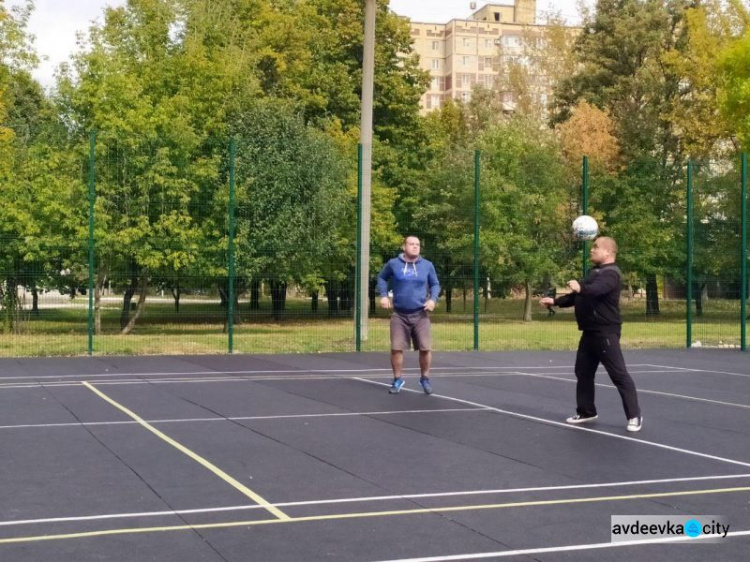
(645, 391)
(570, 548)
(687, 369)
(366, 499)
(239, 418)
(142, 380)
(342, 372)
(573, 427)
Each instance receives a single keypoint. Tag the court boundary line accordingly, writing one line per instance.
(568, 548)
(366, 499)
(691, 370)
(237, 418)
(643, 390)
(361, 515)
(143, 380)
(573, 427)
(193, 455)
(342, 372)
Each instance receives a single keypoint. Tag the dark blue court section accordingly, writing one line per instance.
(308, 458)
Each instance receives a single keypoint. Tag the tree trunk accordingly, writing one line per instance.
(698, 296)
(346, 296)
(652, 296)
(139, 307)
(126, 300)
(35, 301)
(448, 288)
(10, 305)
(223, 292)
(128, 296)
(278, 298)
(255, 294)
(100, 281)
(314, 302)
(176, 294)
(372, 293)
(527, 302)
(332, 293)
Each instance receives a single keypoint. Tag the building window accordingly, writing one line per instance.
(435, 45)
(435, 84)
(488, 44)
(465, 96)
(489, 80)
(435, 101)
(497, 16)
(488, 62)
(467, 42)
(435, 64)
(511, 41)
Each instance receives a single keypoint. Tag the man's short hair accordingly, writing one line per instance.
(607, 243)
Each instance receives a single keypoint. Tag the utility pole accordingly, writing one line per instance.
(368, 74)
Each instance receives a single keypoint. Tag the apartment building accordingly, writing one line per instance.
(464, 53)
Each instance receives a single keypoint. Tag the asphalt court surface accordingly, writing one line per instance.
(307, 457)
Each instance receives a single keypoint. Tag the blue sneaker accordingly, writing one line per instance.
(396, 386)
(426, 386)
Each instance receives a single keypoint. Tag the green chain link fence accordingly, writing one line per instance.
(140, 246)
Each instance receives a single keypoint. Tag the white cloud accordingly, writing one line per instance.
(55, 24)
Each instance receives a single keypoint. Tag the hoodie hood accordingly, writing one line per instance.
(402, 257)
(410, 267)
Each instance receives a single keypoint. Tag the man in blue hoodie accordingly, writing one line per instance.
(411, 276)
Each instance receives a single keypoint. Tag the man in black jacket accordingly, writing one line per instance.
(597, 308)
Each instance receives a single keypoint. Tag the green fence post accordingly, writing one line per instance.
(743, 257)
(358, 283)
(477, 183)
(689, 272)
(92, 197)
(230, 244)
(584, 210)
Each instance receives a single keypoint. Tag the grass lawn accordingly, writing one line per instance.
(199, 329)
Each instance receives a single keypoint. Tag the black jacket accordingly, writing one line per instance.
(597, 306)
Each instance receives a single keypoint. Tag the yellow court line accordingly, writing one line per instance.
(339, 516)
(200, 460)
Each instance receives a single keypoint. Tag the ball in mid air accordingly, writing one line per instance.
(585, 228)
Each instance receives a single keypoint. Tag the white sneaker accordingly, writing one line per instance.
(635, 424)
(578, 418)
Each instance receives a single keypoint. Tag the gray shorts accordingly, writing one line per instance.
(408, 329)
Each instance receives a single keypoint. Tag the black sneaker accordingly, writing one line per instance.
(578, 418)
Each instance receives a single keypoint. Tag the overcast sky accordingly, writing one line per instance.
(56, 22)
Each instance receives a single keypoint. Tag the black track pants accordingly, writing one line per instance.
(595, 348)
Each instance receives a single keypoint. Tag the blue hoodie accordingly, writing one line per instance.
(409, 281)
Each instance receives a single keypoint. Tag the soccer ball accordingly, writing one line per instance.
(585, 228)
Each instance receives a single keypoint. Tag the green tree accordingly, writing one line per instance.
(531, 211)
(734, 99)
(291, 192)
(710, 28)
(22, 111)
(129, 89)
(621, 70)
